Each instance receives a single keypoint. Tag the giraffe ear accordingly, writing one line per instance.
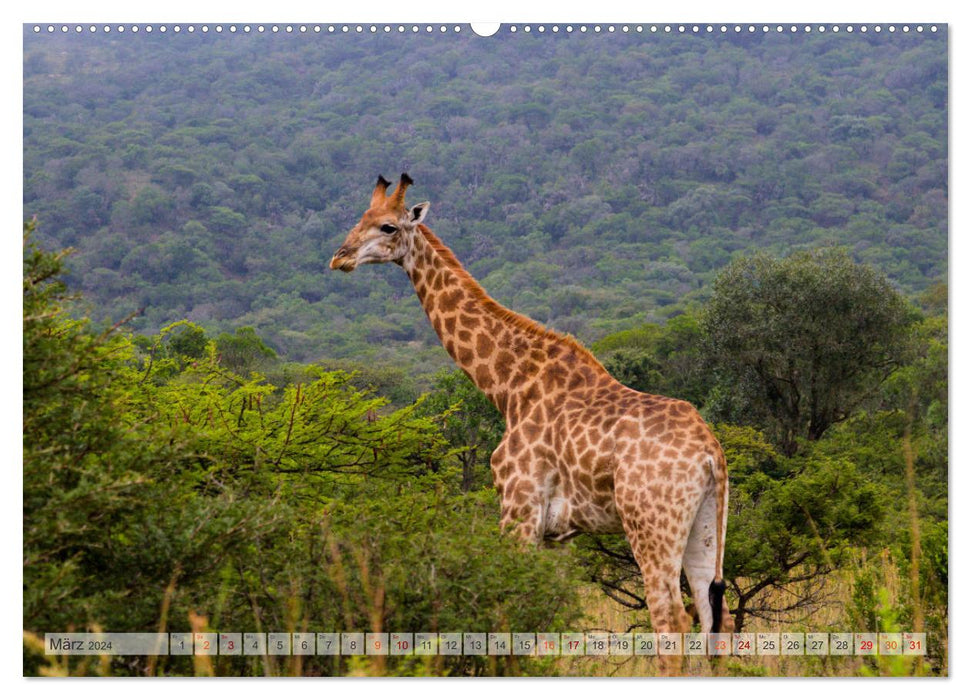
(418, 212)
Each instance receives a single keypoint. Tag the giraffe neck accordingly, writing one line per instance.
(509, 357)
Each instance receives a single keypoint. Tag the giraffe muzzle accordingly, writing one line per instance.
(342, 261)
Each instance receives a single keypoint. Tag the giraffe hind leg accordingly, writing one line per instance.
(667, 615)
(659, 551)
(662, 590)
(699, 559)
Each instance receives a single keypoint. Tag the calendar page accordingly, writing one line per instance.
(535, 349)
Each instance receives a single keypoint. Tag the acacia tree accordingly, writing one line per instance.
(798, 344)
(106, 492)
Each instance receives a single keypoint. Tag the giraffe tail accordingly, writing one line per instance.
(716, 597)
(716, 591)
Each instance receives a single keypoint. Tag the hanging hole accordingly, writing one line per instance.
(485, 28)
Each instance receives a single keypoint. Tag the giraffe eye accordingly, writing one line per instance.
(389, 228)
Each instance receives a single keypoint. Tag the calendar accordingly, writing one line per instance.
(612, 644)
(620, 236)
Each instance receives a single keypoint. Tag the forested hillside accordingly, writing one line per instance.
(593, 182)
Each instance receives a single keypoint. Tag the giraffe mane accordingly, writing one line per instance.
(515, 319)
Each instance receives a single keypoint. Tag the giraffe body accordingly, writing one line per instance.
(581, 452)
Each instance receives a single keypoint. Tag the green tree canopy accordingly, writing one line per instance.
(243, 350)
(470, 423)
(798, 343)
(658, 359)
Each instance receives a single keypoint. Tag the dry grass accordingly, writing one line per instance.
(603, 614)
(606, 615)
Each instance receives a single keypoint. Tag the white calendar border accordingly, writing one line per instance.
(507, 10)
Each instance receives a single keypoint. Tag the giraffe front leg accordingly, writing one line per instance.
(523, 498)
(523, 520)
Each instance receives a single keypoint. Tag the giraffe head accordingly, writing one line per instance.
(384, 232)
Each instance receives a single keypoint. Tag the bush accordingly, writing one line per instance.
(164, 492)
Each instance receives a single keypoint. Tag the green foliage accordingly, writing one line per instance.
(792, 520)
(658, 359)
(802, 341)
(391, 559)
(920, 390)
(400, 580)
(243, 350)
(150, 207)
(864, 608)
(469, 422)
(190, 343)
(636, 368)
(162, 490)
(105, 521)
(323, 427)
(397, 385)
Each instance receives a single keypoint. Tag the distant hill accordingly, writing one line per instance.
(592, 182)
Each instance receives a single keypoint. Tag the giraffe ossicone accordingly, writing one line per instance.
(581, 452)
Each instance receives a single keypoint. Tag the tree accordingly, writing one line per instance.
(104, 517)
(190, 341)
(792, 521)
(658, 359)
(225, 220)
(471, 425)
(151, 207)
(635, 367)
(799, 343)
(243, 350)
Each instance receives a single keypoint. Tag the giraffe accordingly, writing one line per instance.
(581, 451)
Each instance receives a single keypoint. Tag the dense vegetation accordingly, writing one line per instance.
(591, 182)
(168, 485)
(164, 491)
(220, 433)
